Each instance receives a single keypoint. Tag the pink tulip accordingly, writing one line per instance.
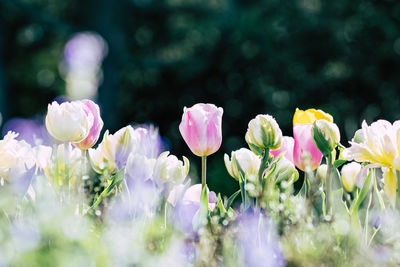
(91, 108)
(304, 151)
(286, 147)
(201, 128)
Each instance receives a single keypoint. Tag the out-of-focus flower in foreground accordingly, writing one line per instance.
(91, 109)
(68, 122)
(305, 153)
(201, 128)
(187, 204)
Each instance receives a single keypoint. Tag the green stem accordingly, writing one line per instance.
(263, 165)
(203, 171)
(328, 182)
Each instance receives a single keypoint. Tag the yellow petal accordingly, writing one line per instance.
(309, 116)
(390, 185)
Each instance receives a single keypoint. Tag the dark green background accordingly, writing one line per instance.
(248, 57)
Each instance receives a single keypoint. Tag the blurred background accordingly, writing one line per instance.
(144, 60)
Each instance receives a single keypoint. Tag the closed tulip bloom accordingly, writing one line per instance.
(169, 169)
(201, 128)
(326, 136)
(286, 148)
(91, 109)
(244, 160)
(69, 121)
(305, 153)
(349, 173)
(264, 132)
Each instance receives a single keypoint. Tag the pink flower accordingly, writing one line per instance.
(201, 128)
(91, 108)
(305, 153)
(286, 147)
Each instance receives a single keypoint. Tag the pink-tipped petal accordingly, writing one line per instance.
(304, 147)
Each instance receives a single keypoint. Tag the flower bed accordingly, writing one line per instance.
(129, 203)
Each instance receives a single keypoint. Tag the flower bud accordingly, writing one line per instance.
(264, 132)
(349, 173)
(91, 109)
(283, 171)
(201, 128)
(326, 136)
(321, 172)
(242, 160)
(68, 122)
(305, 153)
(169, 169)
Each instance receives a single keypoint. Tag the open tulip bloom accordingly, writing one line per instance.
(301, 200)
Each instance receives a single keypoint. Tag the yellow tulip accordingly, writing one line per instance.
(309, 116)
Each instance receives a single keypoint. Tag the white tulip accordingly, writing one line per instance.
(244, 159)
(169, 169)
(68, 122)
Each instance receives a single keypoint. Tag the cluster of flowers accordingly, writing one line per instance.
(294, 200)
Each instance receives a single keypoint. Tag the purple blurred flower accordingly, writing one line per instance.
(258, 242)
(187, 204)
(33, 131)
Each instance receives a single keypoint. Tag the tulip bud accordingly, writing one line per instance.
(325, 136)
(242, 160)
(168, 169)
(68, 122)
(283, 171)
(349, 173)
(264, 132)
(321, 172)
(91, 109)
(201, 128)
(305, 153)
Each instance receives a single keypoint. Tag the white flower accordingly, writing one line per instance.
(244, 159)
(264, 132)
(349, 173)
(68, 122)
(169, 169)
(139, 167)
(380, 144)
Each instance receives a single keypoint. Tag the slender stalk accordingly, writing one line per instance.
(328, 192)
(203, 171)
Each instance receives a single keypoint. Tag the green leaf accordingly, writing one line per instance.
(200, 218)
(339, 163)
(220, 205)
(362, 195)
(231, 199)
